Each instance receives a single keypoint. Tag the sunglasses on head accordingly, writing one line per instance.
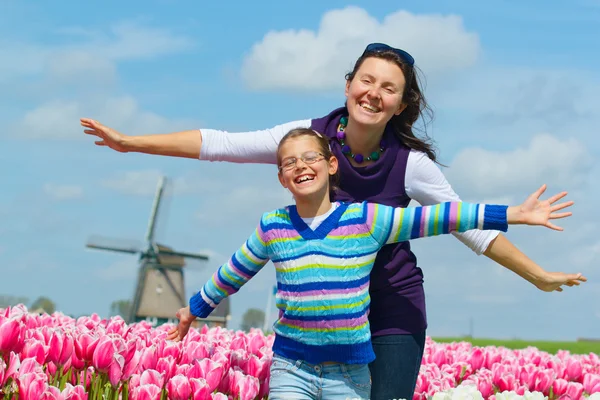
(377, 47)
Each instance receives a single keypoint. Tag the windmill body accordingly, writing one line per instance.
(160, 287)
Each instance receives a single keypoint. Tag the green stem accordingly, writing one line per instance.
(125, 391)
(64, 378)
(85, 371)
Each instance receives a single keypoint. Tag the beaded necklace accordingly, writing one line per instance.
(359, 158)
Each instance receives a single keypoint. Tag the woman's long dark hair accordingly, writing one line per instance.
(416, 106)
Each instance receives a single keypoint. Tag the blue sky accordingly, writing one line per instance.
(514, 87)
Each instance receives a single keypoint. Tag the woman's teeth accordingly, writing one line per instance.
(369, 107)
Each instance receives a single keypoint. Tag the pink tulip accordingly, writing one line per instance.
(132, 366)
(71, 392)
(31, 386)
(52, 393)
(223, 359)
(76, 362)
(573, 370)
(506, 383)
(477, 358)
(168, 348)
(85, 344)
(200, 389)
(179, 388)
(115, 370)
(61, 347)
(219, 396)
(35, 349)
(591, 383)
(195, 350)
(152, 377)
(256, 343)
(239, 343)
(149, 358)
(167, 367)
(528, 375)
(147, 392)
(544, 381)
(485, 387)
(11, 336)
(245, 387)
(574, 390)
(209, 370)
(559, 387)
(103, 354)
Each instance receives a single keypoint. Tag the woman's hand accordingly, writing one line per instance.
(108, 136)
(539, 212)
(185, 322)
(553, 281)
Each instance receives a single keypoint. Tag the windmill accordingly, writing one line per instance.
(160, 287)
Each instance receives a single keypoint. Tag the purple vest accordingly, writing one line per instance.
(397, 296)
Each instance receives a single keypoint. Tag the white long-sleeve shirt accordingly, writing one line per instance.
(424, 181)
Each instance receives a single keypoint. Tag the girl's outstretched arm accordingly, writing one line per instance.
(227, 280)
(400, 224)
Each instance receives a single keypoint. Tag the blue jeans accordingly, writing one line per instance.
(396, 367)
(299, 380)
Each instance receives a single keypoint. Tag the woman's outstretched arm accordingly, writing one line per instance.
(206, 144)
(426, 184)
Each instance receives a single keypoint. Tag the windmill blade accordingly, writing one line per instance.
(111, 244)
(196, 256)
(157, 199)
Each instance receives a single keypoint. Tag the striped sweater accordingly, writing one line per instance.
(323, 275)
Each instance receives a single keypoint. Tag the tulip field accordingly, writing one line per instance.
(58, 357)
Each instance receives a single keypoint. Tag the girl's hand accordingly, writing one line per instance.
(108, 136)
(185, 322)
(539, 212)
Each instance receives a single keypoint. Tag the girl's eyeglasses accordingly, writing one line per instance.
(310, 157)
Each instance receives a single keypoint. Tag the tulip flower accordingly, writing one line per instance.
(11, 336)
(147, 392)
(179, 388)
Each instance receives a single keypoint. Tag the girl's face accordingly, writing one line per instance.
(303, 169)
(374, 96)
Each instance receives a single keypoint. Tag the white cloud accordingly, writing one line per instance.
(93, 53)
(63, 192)
(563, 163)
(309, 60)
(59, 119)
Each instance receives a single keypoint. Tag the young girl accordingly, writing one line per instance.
(323, 254)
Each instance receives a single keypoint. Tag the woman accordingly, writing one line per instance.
(380, 160)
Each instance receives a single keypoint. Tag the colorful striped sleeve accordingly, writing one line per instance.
(392, 225)
(232, 275)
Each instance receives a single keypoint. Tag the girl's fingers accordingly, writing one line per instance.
(557, 197)
(554, 227)
(560, 215)
(540, 191)
(562, 205)
(100, 143)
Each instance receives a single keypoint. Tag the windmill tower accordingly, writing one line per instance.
(160, 288)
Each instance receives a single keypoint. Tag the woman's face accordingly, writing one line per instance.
(374, 96)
